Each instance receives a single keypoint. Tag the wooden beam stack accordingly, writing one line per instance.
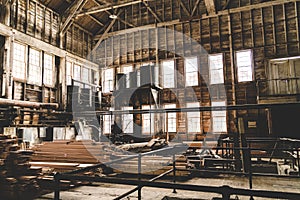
(64, 155)
(17, 179)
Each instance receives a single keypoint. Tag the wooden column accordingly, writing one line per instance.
(8, 62)
(62, 82)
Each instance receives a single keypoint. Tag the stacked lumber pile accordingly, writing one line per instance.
(17, 179)
(63, 155)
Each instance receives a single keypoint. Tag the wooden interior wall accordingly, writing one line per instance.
(36, 20)
(270, 30)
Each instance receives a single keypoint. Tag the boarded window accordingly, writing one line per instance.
(216, 68)
(191, 71)
(244, 65)
(284, 76)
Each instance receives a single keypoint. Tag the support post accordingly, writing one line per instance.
(250, 170)
(225, 193)
(298, 160)
(57, 186)
(139, 175)
(174, 172)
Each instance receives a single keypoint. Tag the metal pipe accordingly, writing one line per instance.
(28, 104)
(139, 176)
(136, 188)
(201, 188)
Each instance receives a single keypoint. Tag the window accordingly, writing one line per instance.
(69, 73)
(216, 68)
(168, 74)
(85, 76)
(138, 78)
(48, 69)
(127, 125)
(126, 70)
(34, 70)
(148, 121)
(171, 118)
(108, 80)
(284, 76)
(77, 74)
(219, 118)
(193, 118)
(244, 65)
(19, 61)
(107, 122)
(191, 71)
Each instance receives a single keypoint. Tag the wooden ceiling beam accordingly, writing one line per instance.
(152, 11)
(105, 7)
(103, 36)
(70, 14)
(184, 8)
(96, 20)
(210, 6)
(195, 7)
(121, 20)
(139, 28)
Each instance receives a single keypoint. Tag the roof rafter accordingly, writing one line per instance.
(195, 7)
(105, 7)
(105, 32)
(70, 13)
(152, 12)
(184, 8)
(96, 20)
(121, 20)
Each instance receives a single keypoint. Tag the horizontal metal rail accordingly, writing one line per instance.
(225, 191)
(171, 150)
(136, 188)
(194, 109)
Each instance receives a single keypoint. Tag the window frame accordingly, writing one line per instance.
(104, 81)
(173, 85)
(15, 73)
(126, 73)
(53, 72)
(173, 117)
(149, 117)
(213, 81)
(194, 73)
(125, 118)
(238, 67)
(32, 77)
(193, 115)
(217, 115)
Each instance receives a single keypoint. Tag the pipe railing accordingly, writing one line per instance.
(225, 191)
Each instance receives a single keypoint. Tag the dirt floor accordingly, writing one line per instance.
(108, 191)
